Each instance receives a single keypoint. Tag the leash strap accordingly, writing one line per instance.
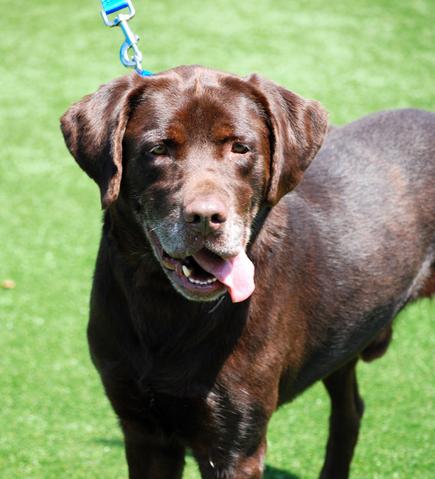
(110, 7)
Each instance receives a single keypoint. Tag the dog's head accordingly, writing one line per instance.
(193, 154)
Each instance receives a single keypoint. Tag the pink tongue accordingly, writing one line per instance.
(236, 273)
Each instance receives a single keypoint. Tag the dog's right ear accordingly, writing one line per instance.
(94, 129)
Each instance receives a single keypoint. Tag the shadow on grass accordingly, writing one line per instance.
(275, 473)
(115, 442)
(270, 472)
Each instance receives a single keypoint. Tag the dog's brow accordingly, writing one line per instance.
(226, 132)
(176, 132)
(152, 136)
(223, 131)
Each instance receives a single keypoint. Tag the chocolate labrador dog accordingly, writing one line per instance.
(227, 280)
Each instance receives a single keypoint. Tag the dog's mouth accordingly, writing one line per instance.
(205, 275)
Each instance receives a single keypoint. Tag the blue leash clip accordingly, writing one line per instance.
(131, 40)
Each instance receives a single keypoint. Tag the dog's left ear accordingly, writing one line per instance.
(94, 129)
(297, 126)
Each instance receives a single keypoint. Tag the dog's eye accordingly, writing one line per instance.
(240, 148)
(160, 149)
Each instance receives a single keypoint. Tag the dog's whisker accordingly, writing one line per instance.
(156, 228)
(215, 307)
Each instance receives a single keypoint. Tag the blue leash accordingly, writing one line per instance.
(109, 7)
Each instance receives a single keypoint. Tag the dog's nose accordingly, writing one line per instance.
(205, 215)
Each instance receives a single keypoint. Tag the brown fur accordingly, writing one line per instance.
(192, 159)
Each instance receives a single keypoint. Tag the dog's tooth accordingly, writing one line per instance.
(186, 271)
(201, 283)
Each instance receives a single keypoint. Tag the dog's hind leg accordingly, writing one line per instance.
(347, 409)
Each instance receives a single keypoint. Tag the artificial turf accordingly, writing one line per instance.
(355, 57)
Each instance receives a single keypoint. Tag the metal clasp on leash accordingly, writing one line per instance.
(129, 59)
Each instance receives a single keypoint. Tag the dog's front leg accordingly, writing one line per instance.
(147, 459)
(233, 464)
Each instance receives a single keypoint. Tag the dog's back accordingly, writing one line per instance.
(361, 229)
(372, 190)
(382, 169)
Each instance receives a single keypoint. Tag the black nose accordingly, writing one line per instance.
(205, 215)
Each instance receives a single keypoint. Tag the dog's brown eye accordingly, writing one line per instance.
(159, 150)
(239, 148)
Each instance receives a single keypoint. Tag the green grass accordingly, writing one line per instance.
(355, 57)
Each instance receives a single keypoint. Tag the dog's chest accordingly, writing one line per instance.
(202, 414)
(185, 397)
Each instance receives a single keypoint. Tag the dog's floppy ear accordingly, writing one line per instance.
(93, 130)
(298, 127)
